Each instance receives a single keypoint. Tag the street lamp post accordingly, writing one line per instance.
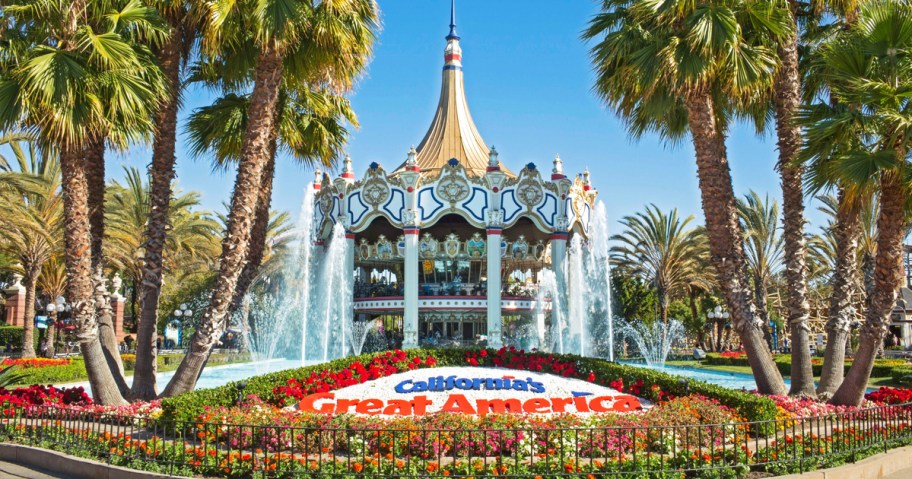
(182, 312)
(53, 308)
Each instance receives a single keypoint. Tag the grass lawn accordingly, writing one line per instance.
(874, 382)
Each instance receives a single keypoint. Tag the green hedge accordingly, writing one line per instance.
(187, 407)
(882, 367)
(11, 334)
(75, 371)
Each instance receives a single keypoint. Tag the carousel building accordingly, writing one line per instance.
(449, 246)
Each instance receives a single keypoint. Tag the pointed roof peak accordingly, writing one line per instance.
(452, 133)
(452, 35)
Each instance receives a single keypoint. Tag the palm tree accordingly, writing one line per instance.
(763, 247)
(75, 71)
(192, 236)
(868, 67)
(299, 43)
(660, 249)
(30, 227)
(183, 18)
(680, 66)
(310, 128)
(845, 230)
(787, 95)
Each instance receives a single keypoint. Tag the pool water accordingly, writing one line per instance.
(220, 375)
(721, 378)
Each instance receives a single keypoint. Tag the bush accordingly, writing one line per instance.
(11, 335)
(72, 372)
(882, 367)
(187, 407)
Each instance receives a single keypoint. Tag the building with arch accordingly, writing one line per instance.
(449, 246)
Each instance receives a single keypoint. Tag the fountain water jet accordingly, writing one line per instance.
(654, 340)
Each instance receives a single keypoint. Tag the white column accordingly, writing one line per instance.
(495, 335)
(410, 323)
(348, 294)
(558, 255)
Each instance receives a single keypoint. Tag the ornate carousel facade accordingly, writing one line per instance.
(449, 247)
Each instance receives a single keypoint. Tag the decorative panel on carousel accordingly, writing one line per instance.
(374, 197)
(530, 197)
(453, 192)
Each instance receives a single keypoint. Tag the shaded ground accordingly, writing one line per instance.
(9, 470)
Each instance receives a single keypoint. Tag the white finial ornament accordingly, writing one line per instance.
(116, 283)
(558, 166)
(492, 158)
(347, 171)
(318, 176)
(412, 158)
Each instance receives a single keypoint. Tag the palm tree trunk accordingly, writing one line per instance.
(28, 328)
(719, 331)
(888, 278)
(760, 288)
(78, 257)
(95, 176)
(726, 239)
(788, 100)
(52, 333)
(257, 245)
(162, 174)
(254, 157)
(847, 230)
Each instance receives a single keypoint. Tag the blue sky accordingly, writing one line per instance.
(528, 81)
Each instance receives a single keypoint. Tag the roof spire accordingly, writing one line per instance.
(452, 34)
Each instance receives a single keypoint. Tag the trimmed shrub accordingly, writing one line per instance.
(187, 407)
(882, 367)
(11, 335)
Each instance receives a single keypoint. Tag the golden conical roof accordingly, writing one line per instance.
(452, 133)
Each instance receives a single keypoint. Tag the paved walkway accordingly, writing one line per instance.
(903, 474)
(15, 471)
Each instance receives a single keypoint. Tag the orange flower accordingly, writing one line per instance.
(399, 463)
(357, 467)
(432, 466)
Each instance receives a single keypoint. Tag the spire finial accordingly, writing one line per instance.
(452, 34)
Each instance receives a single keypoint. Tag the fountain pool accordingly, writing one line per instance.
(721, 378)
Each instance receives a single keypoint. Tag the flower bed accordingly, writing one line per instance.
(37, 395)
(281, 387)
(35, 363)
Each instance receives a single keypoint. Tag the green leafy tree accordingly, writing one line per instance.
(679, 67)
(869, 67)
(297, 43)
(74, 72)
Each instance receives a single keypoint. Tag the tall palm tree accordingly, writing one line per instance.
(662, 250)
(679, 67)
(75, 71)
(30, 227)
(870, 68)
(787, 94)
(184, 19)
(311, 128)
(763, 247)
(298, 43)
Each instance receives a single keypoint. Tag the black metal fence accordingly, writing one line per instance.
(217, 449)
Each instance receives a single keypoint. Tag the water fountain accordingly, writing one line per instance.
(653, 340)
(304, 318)
(581, 321)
